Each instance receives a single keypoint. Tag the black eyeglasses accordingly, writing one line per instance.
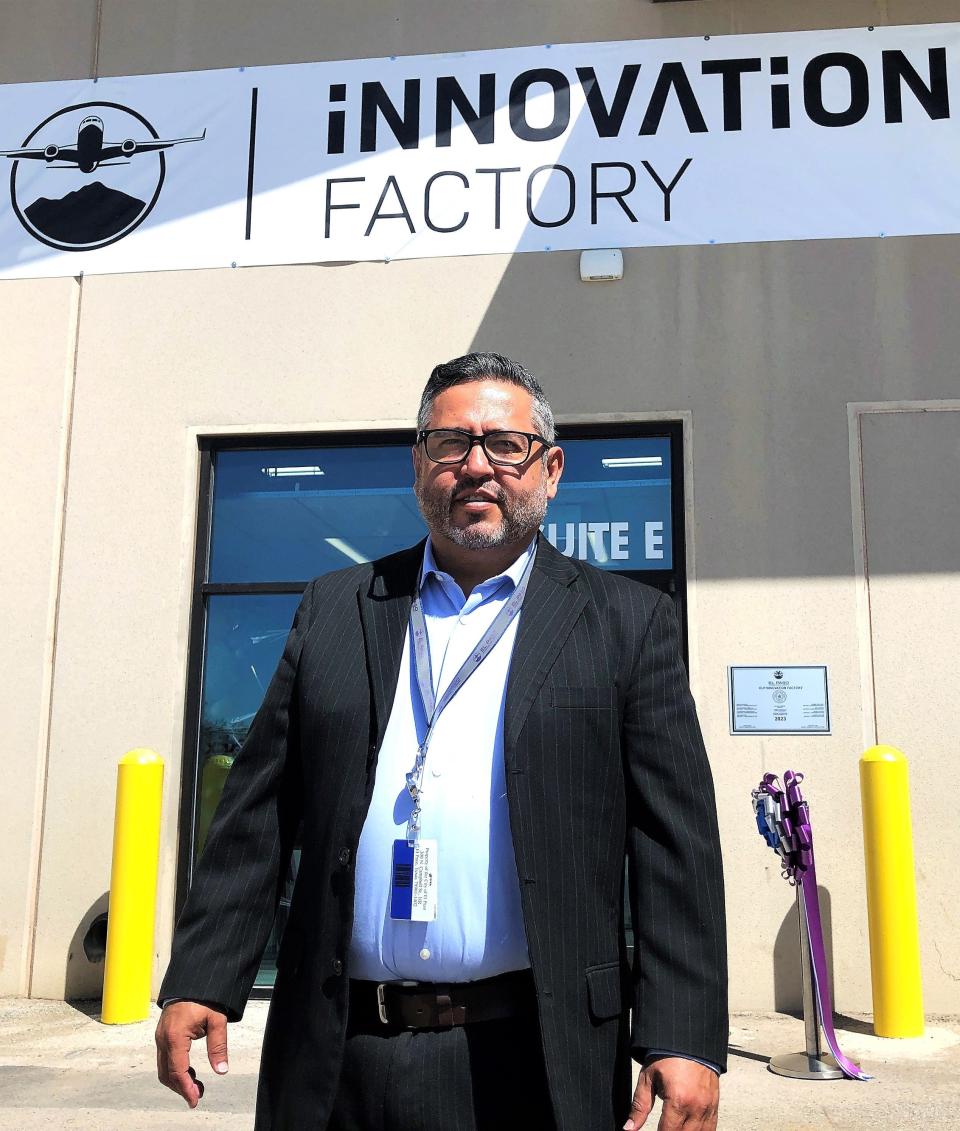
(452, 445)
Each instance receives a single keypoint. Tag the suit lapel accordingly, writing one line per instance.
(550, 610)
(384, 611)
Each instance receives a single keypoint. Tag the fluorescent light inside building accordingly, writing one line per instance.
(633, 461)
(282, 472)
(346, 549)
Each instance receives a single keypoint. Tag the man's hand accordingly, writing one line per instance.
(180, 1025)
(690, 1094)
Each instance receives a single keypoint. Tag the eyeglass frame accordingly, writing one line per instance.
(481, 439)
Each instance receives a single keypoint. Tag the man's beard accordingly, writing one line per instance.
(519, 517)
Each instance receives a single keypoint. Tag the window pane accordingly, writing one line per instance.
(245, 637)
(613, 506)
(290, 514)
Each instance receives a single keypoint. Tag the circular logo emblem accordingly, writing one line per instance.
(87, 175)
(95, 179)
(778, 674)
(779, 697)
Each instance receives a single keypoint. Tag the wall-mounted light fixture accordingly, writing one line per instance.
(601, 265)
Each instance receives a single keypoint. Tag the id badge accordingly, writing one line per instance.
(413, 881)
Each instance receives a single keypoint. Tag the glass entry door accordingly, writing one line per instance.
(275, 515)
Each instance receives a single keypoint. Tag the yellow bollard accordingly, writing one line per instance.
(891, 894)
(133, 888)
(212, 780)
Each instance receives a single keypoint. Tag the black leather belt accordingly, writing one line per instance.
(440, 1005)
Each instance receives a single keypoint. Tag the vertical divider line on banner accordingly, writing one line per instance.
(251, 159)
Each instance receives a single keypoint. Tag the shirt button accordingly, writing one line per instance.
(344, 856)
(337, 967)
(424, 954)
(436, 771)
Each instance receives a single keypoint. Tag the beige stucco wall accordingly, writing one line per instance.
(138, 36)
(763, 346)
(37, 327)
(911, 467)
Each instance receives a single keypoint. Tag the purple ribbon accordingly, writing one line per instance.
(783, 818)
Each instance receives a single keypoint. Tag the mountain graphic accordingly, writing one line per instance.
(88, 215)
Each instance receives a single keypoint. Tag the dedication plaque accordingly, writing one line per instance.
(785, 700)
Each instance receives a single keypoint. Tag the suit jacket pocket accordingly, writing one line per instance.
(604, 992)
(597, 698)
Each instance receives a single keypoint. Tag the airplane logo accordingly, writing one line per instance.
(91, 152)
(95, 201)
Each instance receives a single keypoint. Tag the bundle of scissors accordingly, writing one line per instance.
(783, 820)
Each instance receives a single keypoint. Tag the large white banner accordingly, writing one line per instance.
(724, 139)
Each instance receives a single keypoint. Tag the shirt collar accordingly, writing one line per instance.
(512, 573)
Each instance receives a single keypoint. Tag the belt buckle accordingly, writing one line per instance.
(381, 1004)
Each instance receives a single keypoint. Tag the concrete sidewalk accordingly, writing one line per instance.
(59, 1067)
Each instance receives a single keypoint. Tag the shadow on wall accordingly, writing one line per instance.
(712, 330)
(787, 980)
(84, 973)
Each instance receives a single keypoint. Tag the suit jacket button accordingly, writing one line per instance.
(344, 856)
(337, 967)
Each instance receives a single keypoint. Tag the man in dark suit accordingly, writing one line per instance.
(473, 735)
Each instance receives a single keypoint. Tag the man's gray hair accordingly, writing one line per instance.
(491, 367)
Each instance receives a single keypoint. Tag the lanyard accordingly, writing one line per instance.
(421, 659)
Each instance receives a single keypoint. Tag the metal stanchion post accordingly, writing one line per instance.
(813, 1063)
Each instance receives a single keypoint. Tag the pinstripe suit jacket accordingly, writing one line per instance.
(603, 759)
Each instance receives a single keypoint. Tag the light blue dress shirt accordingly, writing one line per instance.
(479, 930)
